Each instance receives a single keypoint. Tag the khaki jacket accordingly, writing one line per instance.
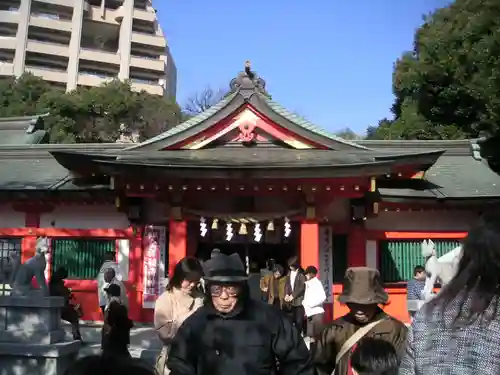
(339, 331)
(277, 294)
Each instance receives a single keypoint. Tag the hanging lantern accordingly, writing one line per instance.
(229, 231)
(215, 224)
(243, 229)
(288, 228)
(203, 227)
(270, 226)
(257, 232)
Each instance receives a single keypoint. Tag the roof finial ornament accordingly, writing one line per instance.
(248, 70)
(248, 82)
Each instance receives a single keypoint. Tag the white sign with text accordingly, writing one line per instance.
(325, 261)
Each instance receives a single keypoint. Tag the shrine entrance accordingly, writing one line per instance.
(278, 240)
(274, 244)
(254, 256)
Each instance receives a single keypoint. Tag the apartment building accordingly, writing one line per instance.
(74, 43)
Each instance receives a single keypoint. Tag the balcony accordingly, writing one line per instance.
(8, 16)
(94, 80)
(65, 3)
(153, 64)
(8, 42)
(150, 88)
(144, 15)
(42, 21)
(6, 69)
(47, 48)
(105, 15)
(99, 56)
(48, 74)
(149, 40)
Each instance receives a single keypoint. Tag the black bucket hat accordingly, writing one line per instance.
(224, 268)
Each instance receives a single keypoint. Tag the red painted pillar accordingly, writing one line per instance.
(309, 244)
(356, 255)
(135, 275)
(309, 254)
(177, 243)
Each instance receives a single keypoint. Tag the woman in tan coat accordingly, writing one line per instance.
(181, 298)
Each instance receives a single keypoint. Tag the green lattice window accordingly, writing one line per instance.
(81, 257)
(339, 246)
(398, 258)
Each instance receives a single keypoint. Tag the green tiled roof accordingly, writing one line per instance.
(459, 173)
(40, 173)
(32, 167)
(464, 177)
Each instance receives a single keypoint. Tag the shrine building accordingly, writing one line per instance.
(245, 176)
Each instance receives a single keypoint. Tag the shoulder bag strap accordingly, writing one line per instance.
(353, 340)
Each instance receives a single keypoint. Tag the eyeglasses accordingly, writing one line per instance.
(231, 290)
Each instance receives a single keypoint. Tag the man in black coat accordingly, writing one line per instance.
(235, 335)
(295, 290)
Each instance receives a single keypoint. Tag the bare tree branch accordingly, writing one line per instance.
(203, 100)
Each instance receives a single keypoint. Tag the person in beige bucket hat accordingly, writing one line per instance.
(363, 293)
(363, 286)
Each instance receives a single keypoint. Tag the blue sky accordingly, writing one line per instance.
(330, 61)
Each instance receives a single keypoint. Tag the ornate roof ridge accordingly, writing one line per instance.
(248, 87)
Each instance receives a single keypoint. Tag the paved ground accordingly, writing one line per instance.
(144, 343)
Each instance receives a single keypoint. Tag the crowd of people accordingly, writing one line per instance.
(216, 328)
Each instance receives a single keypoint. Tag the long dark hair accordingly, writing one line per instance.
(477, 281)
(188, 268)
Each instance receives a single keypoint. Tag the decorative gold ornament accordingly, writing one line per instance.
(215, 224)
(243, 229)
(270, 226)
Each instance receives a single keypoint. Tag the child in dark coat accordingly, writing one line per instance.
(117, 325)
(70, 312)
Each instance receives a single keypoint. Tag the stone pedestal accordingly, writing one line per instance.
(32, 338)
